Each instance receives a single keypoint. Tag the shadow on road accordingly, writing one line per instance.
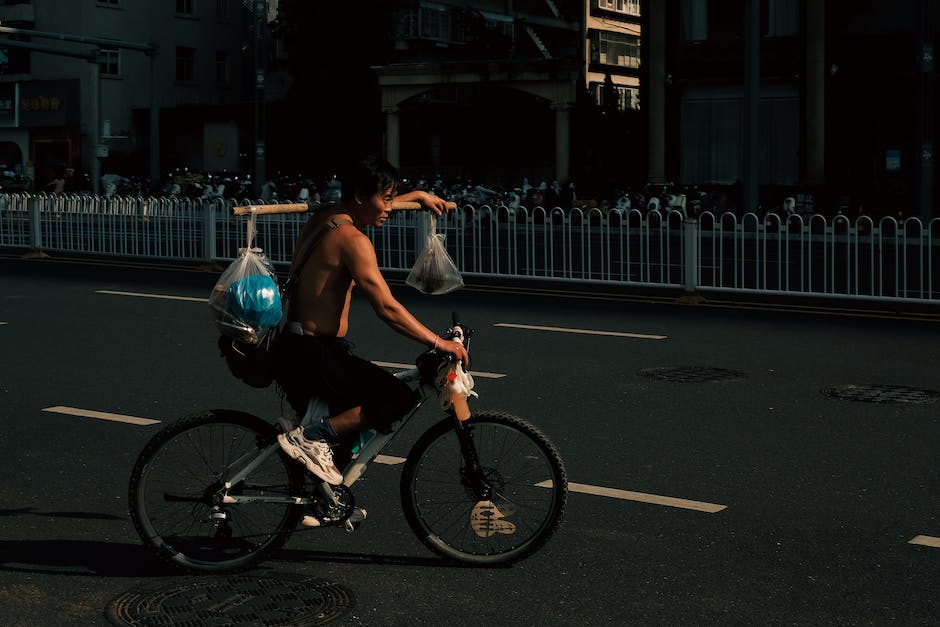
(79, 557)
(114, 559)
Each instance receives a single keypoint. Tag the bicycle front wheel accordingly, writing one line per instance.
(529, 490)
(176, 483)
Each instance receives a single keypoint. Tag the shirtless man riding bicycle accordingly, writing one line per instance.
(314, 356)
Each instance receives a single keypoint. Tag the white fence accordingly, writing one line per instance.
(863, 259)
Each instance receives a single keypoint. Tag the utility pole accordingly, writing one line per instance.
(260, 22)
(751, 169)
(927, 116)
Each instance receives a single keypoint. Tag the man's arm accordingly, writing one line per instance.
(434, 203)
(359, 258)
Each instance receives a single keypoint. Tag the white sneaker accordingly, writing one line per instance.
(314, 454)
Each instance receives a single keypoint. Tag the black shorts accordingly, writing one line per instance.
(325, 367)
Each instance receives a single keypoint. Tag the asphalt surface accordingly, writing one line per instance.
(796, 507)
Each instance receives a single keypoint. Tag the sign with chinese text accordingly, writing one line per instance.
(49, 103)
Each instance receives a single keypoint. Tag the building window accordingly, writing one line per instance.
(110, 61)
(626, 97)
(716, 20)
(185, 64)
(185, 7)
(711, 136)
(221, 66)
(782, 18)
(618, 49)
(433, 24)
(626, 7)
(221, 9)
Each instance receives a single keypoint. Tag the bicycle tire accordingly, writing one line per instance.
(171, 487)
(530, 490)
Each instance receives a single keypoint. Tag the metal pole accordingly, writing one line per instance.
(260, 17)
(155, 177)
(93, 131)
(927, 114)
(751, 104)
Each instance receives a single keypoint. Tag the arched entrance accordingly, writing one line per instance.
(506, 121)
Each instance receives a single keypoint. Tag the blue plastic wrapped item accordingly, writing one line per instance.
(245, 301)
(254, 299)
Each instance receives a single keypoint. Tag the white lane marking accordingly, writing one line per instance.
(384, 364)
(484, 375)
(925, 541)
(389, 460)
(626, 495)
(100, 415)
(192, 299)
(3, 323)
(533, 327)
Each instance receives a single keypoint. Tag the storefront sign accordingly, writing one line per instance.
(8, 108)
(49, 103)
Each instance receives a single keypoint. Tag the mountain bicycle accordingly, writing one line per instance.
(214, 492)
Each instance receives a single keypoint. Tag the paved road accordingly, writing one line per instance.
(751, 500)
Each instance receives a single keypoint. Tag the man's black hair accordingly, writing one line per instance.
(369, 176)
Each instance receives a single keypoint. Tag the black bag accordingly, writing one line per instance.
(254, 364)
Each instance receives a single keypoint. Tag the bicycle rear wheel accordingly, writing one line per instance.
(525, 471)
(176, 480)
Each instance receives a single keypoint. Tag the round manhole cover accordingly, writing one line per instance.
(691, 374)
(881, 393)
(236, 600)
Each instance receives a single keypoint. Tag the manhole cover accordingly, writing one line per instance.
(881, 393)
(235, 600)
(691, 374)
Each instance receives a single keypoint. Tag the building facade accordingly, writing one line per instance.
(831, 103)
(101, 85)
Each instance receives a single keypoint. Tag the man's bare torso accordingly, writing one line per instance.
(320, 301)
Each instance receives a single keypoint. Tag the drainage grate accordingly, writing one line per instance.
(881, 394)
(691, 374)
(236, 600)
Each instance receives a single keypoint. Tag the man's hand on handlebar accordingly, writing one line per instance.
(455, 348)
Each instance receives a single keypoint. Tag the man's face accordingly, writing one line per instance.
(378, 206)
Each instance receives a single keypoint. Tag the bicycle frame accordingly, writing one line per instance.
(244, 466)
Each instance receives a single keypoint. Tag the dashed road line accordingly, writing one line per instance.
(191, 299)
(100, 415)
(533, 327)
(925, 541)
(389, 460)
(384, 364)
(484, 375)
(654, 499)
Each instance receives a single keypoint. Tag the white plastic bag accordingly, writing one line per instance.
(434, 271)
(453, 381)
(245, 301)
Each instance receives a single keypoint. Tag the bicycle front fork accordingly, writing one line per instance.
(473, 471)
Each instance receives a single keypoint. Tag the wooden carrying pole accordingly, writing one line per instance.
(301, 207)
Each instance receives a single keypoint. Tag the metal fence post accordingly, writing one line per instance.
(208, 230)
(35, 229)
(690, 270)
